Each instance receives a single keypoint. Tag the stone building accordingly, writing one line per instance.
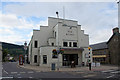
(114, 46)
(59, 34)
(100, 53)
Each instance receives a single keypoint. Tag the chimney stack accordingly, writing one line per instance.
(115, 30)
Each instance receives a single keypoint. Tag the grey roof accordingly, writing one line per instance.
(102, 45)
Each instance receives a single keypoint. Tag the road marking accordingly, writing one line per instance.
(108, 70)
(22, 72)
(30, 77)
(89, 75)
(110, 76)
(6, 72)
(18, 74)
(116, 72)
(38, 71)
(30, 72)
(13, 72)
(19, 77)
(5, 77)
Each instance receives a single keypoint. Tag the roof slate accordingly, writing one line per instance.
(102, 45)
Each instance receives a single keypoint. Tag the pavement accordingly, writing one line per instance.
(68, 69)
(1, 69)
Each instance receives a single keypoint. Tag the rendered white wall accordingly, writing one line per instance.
(43, 36)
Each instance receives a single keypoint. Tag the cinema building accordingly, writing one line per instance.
(59, 34)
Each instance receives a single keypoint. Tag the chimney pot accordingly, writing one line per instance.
(115, 30)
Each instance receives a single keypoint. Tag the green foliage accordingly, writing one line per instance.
(13, 50)
(5, 53)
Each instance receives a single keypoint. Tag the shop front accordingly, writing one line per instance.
(72, 55)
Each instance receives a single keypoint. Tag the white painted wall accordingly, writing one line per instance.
(48, 51)
(46, 35)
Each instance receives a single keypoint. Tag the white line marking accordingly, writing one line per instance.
(30, 72)
(115, 72)
(108, 71)
(19, 77)
(22, 72)
(6, 72)
(30, 77)
(18, 74)
(110, 76)
(5, 77)
(13, 72)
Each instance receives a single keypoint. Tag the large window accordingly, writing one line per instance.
(35, 58)
(44, 59)
(36, 44)
(74, 44)
(65, 44)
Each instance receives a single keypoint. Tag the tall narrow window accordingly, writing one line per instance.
(36, 44)
(55, 34)
(35, 58)
(52, 44)
(44, 59)
(74, 44)
(69, 44)
(65, 44)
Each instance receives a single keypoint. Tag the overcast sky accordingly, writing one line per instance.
(18, 19)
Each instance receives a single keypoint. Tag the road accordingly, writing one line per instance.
(11, 70)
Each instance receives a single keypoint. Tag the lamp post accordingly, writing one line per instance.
(58, 43)
(25, 48)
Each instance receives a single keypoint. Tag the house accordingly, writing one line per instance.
(60, 34)
(114, 47)
(100, 53)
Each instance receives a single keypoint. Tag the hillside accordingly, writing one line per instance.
(13, 49)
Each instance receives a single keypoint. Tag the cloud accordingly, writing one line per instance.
(102, 36)
(57, 0)
(97, 19)
(14, 29)
(12, 21)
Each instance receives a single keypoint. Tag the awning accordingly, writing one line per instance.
(97, 56)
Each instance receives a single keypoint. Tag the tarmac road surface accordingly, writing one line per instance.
(11, 71)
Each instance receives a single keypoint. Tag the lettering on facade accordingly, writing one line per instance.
(69, 32)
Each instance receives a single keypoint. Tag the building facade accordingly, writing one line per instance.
(59, 34)
(100, 53)
(114, 47)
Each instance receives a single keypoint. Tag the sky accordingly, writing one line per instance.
(19, 18)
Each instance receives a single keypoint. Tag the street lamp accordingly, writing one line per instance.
(58, 43)
(25, 48)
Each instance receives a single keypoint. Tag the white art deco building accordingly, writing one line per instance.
(59, 34)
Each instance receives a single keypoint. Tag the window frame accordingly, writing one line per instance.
(44, 56)
(52, 44)
(70, 44)
(74, 44)
(35, 58)
(35, 44)
(65, 45)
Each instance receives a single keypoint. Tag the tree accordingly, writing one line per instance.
(5, 53)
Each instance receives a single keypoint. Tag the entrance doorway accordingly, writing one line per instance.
(68, 58)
